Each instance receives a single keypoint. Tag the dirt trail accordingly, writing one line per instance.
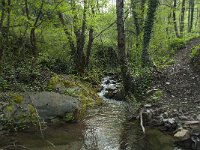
(181, 85)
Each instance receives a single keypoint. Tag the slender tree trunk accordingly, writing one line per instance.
(3, 3)
(148, 27)
(143, 2)
(191, 20)
(189, 14)
(69, 36)
(125, 70)
(136, 21)
(33, 40)
(80, 65)
(8, 20)
(138, 18)
(90, 42)
(174, 19)
(89, 47)
(182, 18)
(27, 9)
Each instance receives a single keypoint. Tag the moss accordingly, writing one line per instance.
(69, 117)
(195, 52)
(53, 82)
(79, 88)
(15, 115)
(17, 98)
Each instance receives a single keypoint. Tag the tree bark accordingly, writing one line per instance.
(80, 65)
(136, 22)
(69, 36)
(182, 18)
(174, 19)
(148, 27)
(3, 3)
(125, 70)
(191, 15)
(33, 40)
(8, 20)
(90, 42)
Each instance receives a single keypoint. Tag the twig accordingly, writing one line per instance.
(51, 143)
(141, 120)
(14, 146)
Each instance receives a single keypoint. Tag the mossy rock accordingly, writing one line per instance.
(16, 115)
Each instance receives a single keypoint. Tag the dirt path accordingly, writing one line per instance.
(181, 85)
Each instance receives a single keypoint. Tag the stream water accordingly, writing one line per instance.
(104, 128)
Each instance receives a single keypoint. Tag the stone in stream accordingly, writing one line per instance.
(50, 105)
(182, 135)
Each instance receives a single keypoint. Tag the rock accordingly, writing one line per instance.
(109, 94)
(182, 135)
(107, 82)
(147, 116)
(50, 104)
(111, 87)
(198, 117)
(148, 106)
(183, 117)
(169, 120)
(192, 124)
(168, 83)
(170, 124)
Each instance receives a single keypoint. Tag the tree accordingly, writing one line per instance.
(191, 15)
(182, 18)
(124, 64)
(174, 19)
(138, 6)
(148, 27)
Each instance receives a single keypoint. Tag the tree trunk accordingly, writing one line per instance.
(182, 18)
(89, 47)
(69, 36)
(33, 42)
(136, 22)
(8, 20)
(125, 70)
(90, 42)
(27, 9)
(148, 27)
(3, 3)
(174, 20)
(80, 64)
(1, 34)
(191, 16)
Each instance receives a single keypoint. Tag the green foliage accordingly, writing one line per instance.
(195, 52)
(105, 57)
(195, 57)
(3, 84)
(142, 82)
(177, 44)
(156, 96)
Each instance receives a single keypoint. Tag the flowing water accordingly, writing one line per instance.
(104, 128)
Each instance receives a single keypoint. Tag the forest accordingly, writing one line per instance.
(114, 74)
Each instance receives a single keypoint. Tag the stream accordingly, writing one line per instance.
(104, 128)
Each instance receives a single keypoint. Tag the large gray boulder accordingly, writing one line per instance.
(50, 104)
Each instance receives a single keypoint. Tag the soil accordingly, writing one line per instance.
(180, 84)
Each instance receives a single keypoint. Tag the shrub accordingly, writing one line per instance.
(177, 44)
(195, 56)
